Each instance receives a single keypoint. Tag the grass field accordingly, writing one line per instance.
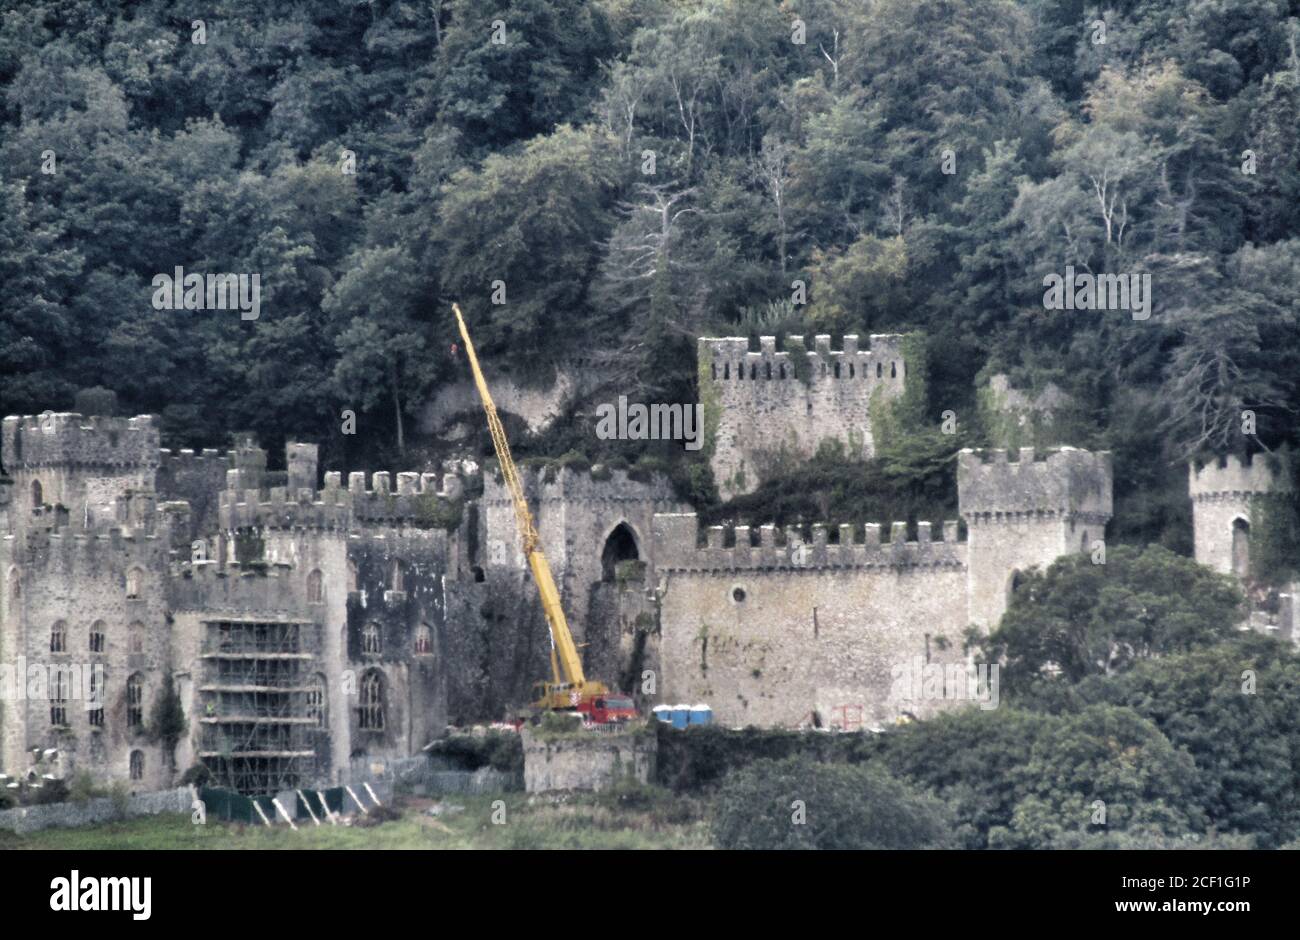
(641, 819)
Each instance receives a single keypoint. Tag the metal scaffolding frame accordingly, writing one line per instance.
(260, 717)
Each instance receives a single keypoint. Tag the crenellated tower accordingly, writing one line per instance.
(1027, 512)
(76, 464)
(1223, 493)
(763, 402)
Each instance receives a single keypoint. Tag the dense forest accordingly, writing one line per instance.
(630, 174)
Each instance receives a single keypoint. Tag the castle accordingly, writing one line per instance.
(278, 627)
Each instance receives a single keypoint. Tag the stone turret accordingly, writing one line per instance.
(77, 462)
(766, 401)
(1223, 493)
(1027, 513)
(301, 460)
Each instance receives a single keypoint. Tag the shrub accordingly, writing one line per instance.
(794, 804)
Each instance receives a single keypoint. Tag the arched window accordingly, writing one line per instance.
(352, 577)
(753, 370)
(134, 582)
(767, 369)
(1240, 547)
(59, 637)
(96, 644)
(880, 369)
(850, 370)
(726, 370)
(893, 370)
(135, 702)
(1083, 541)
(135, 637)
(95, 701)
(423, 640)
(620, 546)
(1014, 583)
(837, 370)
(316, 701)
(782, 369)
(38, 496)
(315, 592)
(398, 577)
(137, 765)
(371, 709)
(59, 682)
(715, 371)
(371, 639)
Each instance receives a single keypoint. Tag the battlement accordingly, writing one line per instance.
(730, 358)
(187, 461)
(124, 545)
(233, 591)
(797, 548)
(413, 501)
(1057, 481)
(1230, 476)
(74, 440)
(571, 484)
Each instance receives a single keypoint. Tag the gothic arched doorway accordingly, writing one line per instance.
(1240, 548)
(620, 546)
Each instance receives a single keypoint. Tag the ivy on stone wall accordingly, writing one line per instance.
(711, 404)
(1275, 528)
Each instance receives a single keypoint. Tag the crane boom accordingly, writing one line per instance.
(569, 677)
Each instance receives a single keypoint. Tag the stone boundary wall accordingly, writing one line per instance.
(24, 819)
(587, 761)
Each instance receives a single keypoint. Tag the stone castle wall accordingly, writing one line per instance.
(575, 512)
(765, 406)
(773, 637)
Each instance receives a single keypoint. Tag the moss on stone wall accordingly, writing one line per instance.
(799, 363)
(1275, 529)
(432, 512)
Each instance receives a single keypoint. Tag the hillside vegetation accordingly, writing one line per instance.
(629, 174)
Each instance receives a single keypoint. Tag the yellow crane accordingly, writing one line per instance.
(569, 687)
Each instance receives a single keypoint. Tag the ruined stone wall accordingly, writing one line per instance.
(587, 761)
(762, 405)
(575, 511)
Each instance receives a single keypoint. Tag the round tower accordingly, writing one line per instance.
(1223, 493)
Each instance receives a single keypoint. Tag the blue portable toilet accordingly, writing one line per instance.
(681, 716)
(701, 715)
(663, 713)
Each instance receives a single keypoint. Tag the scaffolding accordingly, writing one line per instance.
(262, 705)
